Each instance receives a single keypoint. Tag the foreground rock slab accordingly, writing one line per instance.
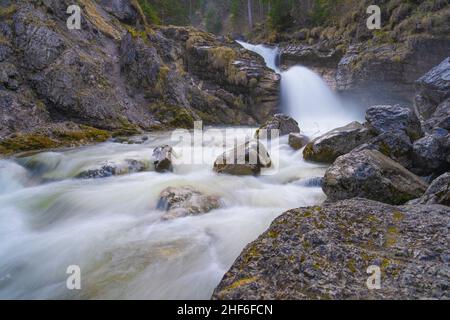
(372, 175)
(324, 252)
(185, 201)
(337, 142)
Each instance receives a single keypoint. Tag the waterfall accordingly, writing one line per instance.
(305, 96)
(111, 228)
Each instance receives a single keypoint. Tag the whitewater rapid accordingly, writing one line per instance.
(111, 229)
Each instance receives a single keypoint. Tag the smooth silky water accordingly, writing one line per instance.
(110, 227)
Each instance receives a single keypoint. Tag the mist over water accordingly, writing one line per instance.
(306, 97)
(111, 228)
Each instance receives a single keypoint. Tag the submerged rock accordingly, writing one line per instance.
(297, 140)
(114, 168)
(284, 123)
(162, 158)
(372, 175)
(245, 159)
(324, 253)
(337, 142)
(387, 118)
(185, 201)
(437, 193)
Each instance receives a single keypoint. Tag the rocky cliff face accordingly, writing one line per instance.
(117, 75)
(372, 66)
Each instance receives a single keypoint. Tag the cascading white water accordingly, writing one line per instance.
(270, 55)
(112, 230)
(305, 96)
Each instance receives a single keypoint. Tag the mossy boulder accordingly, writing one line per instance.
(372, 175)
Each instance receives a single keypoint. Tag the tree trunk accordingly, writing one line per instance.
(250, 14)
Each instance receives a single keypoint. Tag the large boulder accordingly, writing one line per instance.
(440, 117)
(387, 118)
(162, 158)
(185, 201)
(114, 168)
(432, 88)
(437, 193)
(298, 140)
(337, 142)
(284, 123)
(430, 152)
(246, 159)
(325, 253)
(370, 174)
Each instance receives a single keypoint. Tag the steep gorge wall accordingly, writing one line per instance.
(371, 66)
(118, 75)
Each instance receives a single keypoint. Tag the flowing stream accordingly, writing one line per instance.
(111, 229)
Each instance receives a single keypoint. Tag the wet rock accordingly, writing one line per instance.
(131, 140)
(162, 158)
(324, 253)
(297, 140)
(284, 123)
(437, 193)
(391, 118)
(440, 118)
(430, 152)
(393, 144)
(372, 175)
(122, 9)
(309, 55)
(337, 142)
(114, 168)
(384, 74)
(245, 159)
(185, 201)
(432, 88)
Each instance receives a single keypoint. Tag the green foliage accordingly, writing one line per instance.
(280, 14)
(213, 22)
(149, 11)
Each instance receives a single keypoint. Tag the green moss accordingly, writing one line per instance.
(161, 81)
(351, 265)
(27, 142)
(398, 216)
(325, 155)
(384, 149)
(240, 283)
(7, 12)
(172, 116)
(391, 236)
(221, 57)
(85, 134)
(126, 128)
(273, 234)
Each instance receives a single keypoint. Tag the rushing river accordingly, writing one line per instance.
(112, 230)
